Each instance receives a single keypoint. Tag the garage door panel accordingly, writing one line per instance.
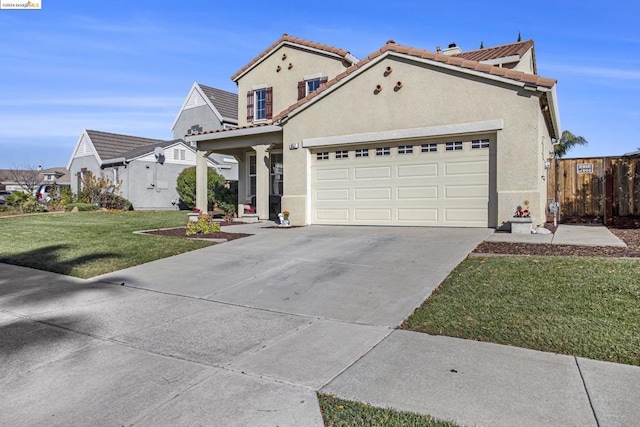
(418, 193)
(332, 174)
(410, 171)
(372, 172)
(418, 215)
(466, 191)
(334, 215)
(373, 193)
(332, 194)
(466, 168)
(375, 215)
(465, 214)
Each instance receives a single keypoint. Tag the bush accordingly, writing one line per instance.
(229, 210)
(186, 186)
(113, 201)
(204, 225)
(81, 207)
(24, 202)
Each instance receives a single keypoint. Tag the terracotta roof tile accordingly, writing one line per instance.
(495, 52)
(289, 39)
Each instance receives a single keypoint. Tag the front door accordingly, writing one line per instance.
(275, 183)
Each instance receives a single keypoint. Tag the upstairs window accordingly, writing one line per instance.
(259, 104)
(305, 87)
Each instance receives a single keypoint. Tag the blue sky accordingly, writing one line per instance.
(126, 66)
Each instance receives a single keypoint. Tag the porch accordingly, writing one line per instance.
(258, 150)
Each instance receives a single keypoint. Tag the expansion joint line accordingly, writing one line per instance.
(584, 384)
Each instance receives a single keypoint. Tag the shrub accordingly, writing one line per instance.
(204, 225)
(24, 202)
(229, 210)
(186, 186)
(113, 201)
(81, 207)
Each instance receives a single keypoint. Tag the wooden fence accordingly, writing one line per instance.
(598, 189)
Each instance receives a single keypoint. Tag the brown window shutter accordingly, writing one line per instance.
(324, 80)
(269, 102)
(301, 89)
(250, 106)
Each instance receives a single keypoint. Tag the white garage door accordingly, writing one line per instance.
(428, 183)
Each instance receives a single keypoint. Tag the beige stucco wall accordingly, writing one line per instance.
(285, 81)
(526, 63)
(429, 97)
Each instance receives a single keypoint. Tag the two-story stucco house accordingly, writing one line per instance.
(402, 137)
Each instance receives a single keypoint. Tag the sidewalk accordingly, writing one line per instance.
(566, 234)
(475, 383)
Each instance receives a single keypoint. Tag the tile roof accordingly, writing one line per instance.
(146, 149)
(255, 125)
(495, 52)
(112, 145)
(462, 63)
(294, 40)
(225, 102)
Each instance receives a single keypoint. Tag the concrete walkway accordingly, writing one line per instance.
(246, 332)
(566, 234)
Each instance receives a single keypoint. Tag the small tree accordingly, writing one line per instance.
(186, 186)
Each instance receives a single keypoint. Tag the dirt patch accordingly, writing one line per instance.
(629, 236)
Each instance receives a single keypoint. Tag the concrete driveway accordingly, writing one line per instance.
(241, 333)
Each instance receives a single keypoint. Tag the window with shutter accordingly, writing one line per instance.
(269, 103)
(250, 96)
(259, 104)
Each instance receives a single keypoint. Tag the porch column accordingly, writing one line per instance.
(201, 181)
(262, 181)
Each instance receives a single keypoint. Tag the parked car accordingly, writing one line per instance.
(3, 194)
(42, 193)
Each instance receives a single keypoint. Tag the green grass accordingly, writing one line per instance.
(86, 244)
(344, 413)
(587, 307)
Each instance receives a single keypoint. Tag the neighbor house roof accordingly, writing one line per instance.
(461, 63)
(225, 102)
(287, 39)
(146, 149)
(112, 145)
(495, 52)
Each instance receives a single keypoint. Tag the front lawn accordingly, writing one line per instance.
(86, 244)
(345, 413)
(588, 307)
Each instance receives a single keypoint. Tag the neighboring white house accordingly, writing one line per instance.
(146, 182)
(147, 168)
(402, 137)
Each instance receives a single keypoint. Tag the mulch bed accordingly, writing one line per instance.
(179, 232)
(630, 236)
